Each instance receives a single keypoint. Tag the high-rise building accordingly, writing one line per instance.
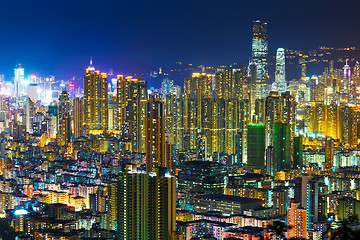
(297, 220)
(231, 127)
(348, 120)
(273, 114)
(240, 79)
(281, 145)
(131, 110)
(145, 204)
(303, 71)
(346, 82)
(280, 70)
(260, 56)
(64, 118)
(78, 117)
(19, 83)
(155, 135)
(298, 152)
(29, 115)
(356, 82)
(256, 146)
(251, 83)
(95, 99)
(329, 152)
(224, 83)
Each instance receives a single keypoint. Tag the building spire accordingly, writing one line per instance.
(91, 67)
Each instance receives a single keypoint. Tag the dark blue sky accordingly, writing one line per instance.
(58, 37)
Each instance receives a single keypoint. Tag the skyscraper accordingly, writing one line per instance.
(78, 117)
(145, 204)
(297, 219)
(356, 82)
(95, 99)
(64, 118)
(131, 110)
(19, 89)
(280, 70)
(260, 55)
(346, 82)
(282, 147)
(256, 146)
(155, 136)
(224, 83)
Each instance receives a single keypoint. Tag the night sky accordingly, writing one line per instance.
(58, 37)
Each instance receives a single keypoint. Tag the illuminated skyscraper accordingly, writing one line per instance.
(280, 70)
(273, 108)
(64, 118)
(281, 147)
(19, 82)
(260, 55)
(131, 110)
(297, 220)
(356, 82)
(240, 78)
(122, 95)
(346, 82)
(170, 111)
(329, 152)
(348, 120)
(251, 86)
(29, 115)
(155, 136)
(244, 120)
(95, 99)
(303, 71)
(78, 117)
(231, 128)
(224, 83)
(145, 204)
(256, 146)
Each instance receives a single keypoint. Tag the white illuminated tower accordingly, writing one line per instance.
(356, 82)
(259, 56)
(19, 82)
(280, 70)
(346, 81)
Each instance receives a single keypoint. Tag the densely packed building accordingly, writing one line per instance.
(228, 157)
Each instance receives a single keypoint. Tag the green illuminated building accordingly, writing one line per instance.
(256, 146)
(282, 146)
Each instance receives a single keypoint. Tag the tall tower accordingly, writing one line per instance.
(19, 81)
(282, 147)
(346, 84)
(29, 114)
(256, 146)
(155, 136)
(64, 118)
(280, 70)
(356, 82)
(95, 99)
(260, 55)
(78, 117)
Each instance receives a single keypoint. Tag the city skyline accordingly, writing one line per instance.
(188, 121)
(62, 37)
